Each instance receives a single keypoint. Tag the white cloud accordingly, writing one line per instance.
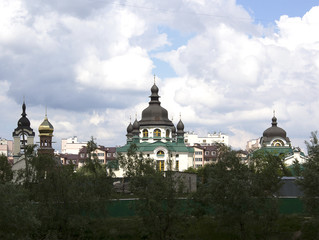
(90, 63)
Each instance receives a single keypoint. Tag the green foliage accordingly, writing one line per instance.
(240, 195)
(159, 208)
(6, 173)
(65, 200)
(191, 170)
(309, 181)
(17, 213)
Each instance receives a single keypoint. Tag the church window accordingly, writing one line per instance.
(167, 133)
(160, 153)
(157, 133)
(277, 143)
(145, 133)
(160, 165)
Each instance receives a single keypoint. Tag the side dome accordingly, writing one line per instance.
(129, 128)
(274, 131)
(155, 114)
(136, 125)
(174, 129)
(46, 127)
(180, 126)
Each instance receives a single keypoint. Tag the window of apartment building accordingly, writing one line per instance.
(198, 159)
(177, 166)
(206, 153)
(177, 155)
(160, 165)
(198, 165)
(108, 154)
(100, 154)
(101, 161)
(213, 153)
(198, 153)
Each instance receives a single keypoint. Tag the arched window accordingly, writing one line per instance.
(160, 165)
(145, 133)
(167, 133)
(277, 143)
(160, 153)
(157, 133)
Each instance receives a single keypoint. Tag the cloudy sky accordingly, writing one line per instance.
(224, 65)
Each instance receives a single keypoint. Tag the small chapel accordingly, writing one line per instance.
(275, 141)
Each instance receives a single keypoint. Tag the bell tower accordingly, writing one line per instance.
(46, 133)
(23, 135)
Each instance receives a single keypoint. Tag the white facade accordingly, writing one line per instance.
(192, 138)
(71, 145)
(180, 161)
(297, 155)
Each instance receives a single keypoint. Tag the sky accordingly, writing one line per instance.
(222, 65)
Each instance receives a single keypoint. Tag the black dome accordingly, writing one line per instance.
(155, 114)
(174, 129)
(180, 126)
(274, 131)
(136, 125)
(23, 121)
(129, 128)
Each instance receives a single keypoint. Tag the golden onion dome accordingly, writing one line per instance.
(46, 128)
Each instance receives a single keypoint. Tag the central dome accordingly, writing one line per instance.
(274, 131)
(155, 114)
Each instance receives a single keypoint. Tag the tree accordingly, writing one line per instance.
(241, 195)
(309, 181)
(6, 173)
(66, 200)
(17, 213)
(158, 203)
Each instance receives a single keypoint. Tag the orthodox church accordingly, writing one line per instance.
(157, 137)
(275, 141)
